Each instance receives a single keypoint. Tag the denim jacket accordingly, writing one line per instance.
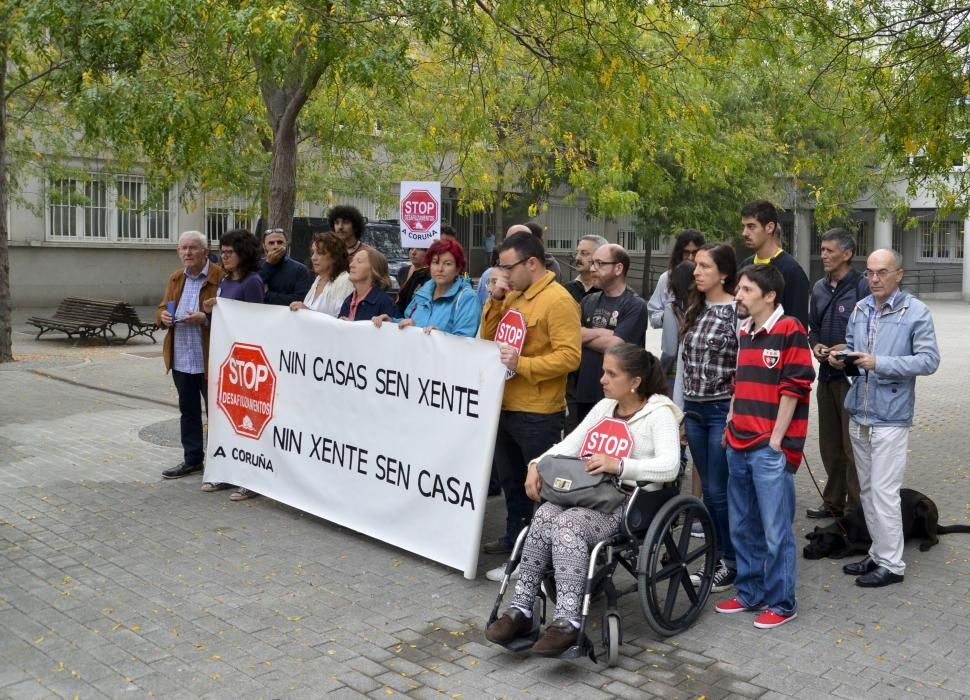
(905, 347)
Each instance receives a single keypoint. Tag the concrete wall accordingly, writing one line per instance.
(42, 275)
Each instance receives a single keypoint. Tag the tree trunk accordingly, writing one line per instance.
(283, 101)
(282, 176)
(6, 311)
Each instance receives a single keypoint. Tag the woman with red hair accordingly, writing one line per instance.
(447, 301)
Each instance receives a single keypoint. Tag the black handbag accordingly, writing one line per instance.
(566, 483)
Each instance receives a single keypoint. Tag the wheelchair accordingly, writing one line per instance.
(655, 547)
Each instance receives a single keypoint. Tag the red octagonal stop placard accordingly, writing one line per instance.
(247, 389)
(419, 210)
(609, 437)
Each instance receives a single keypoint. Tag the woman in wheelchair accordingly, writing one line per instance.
(635, 391)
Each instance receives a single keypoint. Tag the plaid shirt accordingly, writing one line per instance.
(188, 338)
(710, 353)
(876, 313)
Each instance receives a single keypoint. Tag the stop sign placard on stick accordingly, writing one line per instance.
(511, 331)
(420, 213)
(247, 389)
(609, 437)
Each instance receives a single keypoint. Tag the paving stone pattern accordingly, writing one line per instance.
(114, 583)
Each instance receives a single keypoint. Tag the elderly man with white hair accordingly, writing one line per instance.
(186, 346)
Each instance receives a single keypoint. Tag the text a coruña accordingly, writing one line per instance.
(434, 393)
(359, 460)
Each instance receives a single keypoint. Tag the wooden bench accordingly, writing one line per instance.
(93, 318)
(125, 313)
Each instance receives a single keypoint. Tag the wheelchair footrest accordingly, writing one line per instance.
(522, 644)
(581, 649)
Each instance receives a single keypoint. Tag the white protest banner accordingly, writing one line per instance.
(386, 431)
(420, 213)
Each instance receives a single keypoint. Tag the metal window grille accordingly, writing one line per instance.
(61, 195)
(940, 241)
(129, 200)
(96, 209)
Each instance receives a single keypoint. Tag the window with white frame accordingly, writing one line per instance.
(108, 208)
(940, 241)
(565, 225)
(223, 215)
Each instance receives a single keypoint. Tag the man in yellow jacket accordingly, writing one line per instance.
(525, 296)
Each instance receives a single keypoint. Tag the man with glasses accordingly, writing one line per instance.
(531, 420)
(890, 341)
(186, 346)
(285, 280)
(585, 282)
(615, 314)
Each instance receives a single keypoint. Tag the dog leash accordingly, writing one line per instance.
(826, 505)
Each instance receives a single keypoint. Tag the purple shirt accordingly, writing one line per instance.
(249, 288)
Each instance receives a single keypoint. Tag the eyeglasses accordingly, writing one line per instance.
(596, 264)
(881, 274)
(226, 253)
(509, 268)
(273, 230)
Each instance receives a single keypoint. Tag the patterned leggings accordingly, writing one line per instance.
(567, 536)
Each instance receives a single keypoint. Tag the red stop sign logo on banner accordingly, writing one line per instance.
(247, 389)
(419, 210)
(511, 331)
(609, 437)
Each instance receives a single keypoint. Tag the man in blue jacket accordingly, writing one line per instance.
(833, 298)
(890, 341)
(285, 280)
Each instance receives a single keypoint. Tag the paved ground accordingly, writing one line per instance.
(114, 583)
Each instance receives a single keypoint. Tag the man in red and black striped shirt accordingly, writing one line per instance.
(765, 438)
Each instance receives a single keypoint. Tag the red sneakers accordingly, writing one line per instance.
(733, 605)
(769, 619)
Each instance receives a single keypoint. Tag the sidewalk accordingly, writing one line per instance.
(115, 583)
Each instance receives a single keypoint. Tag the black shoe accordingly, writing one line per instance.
(860, 568)
(878, 577)
(823, 511)
(181, 470)
(503, 545)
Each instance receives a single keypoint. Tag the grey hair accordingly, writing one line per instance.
(843, 239)
(197, 236)
(593, 238)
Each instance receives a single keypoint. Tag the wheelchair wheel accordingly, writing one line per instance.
(612, 638)
(668, 557)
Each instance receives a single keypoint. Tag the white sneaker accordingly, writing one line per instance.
(697, 530)
(498, 572)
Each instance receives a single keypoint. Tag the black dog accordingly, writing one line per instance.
(849, 534)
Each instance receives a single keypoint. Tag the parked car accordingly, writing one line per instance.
(385, 235)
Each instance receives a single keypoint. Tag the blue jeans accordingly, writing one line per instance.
(704, 432)
(762, 506)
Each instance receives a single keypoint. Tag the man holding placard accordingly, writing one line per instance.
(536, 323)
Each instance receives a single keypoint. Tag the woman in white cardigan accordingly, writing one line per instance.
(635, 391)
(328, 255)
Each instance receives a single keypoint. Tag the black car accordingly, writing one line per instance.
(385, 235)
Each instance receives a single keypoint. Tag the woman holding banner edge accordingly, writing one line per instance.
(368, 273)
(447, 301)
(635, 391)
